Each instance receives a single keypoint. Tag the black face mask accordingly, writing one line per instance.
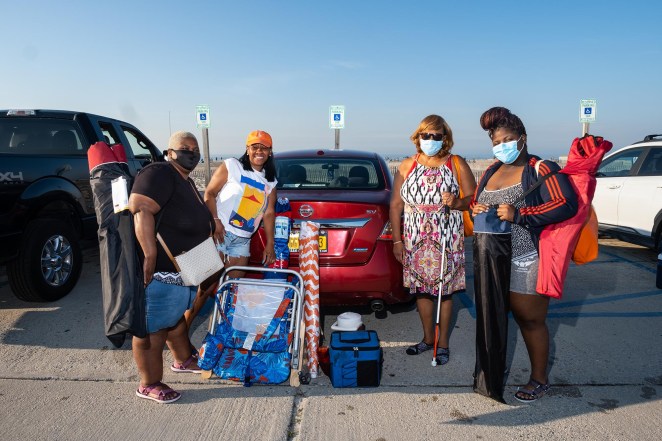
(187, 159)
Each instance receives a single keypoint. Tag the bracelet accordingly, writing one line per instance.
(397, 241)
(216, 219)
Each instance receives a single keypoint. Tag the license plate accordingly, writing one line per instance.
(293, 243)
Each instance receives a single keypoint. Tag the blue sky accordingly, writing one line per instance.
(279, 65)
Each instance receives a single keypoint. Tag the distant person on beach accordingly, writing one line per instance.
(424, 185)
(240, 195)
(507, 226)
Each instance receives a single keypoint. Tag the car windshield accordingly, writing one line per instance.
(329, 173)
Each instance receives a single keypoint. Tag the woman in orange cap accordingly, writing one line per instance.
(240, 195)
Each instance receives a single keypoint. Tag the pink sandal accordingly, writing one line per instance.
(190, 365)
(149, 392)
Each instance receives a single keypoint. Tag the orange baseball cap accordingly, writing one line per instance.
(259, 137)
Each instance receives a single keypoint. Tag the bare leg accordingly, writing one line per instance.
(445, 320)
(530, 312)
(237, 261)
(148, 355)
(178, 342)
(426, 310)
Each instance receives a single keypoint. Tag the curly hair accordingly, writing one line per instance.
(437, 123)
(500, 117)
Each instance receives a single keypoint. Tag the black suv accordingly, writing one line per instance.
(46, 203)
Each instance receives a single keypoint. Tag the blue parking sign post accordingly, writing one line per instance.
(337, 121)
(202, 122)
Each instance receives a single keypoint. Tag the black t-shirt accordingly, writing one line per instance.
(185, 220)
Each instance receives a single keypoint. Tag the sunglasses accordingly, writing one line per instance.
(259, 148)
(435, 136)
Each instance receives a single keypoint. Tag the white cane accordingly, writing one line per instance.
(446, 214)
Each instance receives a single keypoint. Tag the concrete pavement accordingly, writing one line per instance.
(61, 379)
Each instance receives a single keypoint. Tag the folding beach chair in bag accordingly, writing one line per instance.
(254, 329)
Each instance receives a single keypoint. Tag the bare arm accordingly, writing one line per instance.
(216, 183)
(468, 185)
(396, 207)
(144, 209)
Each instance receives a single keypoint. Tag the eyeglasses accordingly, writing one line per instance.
(259, 148)
(435, 136)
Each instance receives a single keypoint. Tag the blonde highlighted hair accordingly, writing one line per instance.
(438, 124)
(176, 139)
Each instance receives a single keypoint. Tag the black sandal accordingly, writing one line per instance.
(443, 355)
(529, 395)
(418, 348)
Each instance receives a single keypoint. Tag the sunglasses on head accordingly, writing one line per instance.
(435, 136)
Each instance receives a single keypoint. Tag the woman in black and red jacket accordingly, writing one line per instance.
(507, 228)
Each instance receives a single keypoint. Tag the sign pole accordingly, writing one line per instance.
(202, 122)
(337, 122)
(587, 111)
(205, 146)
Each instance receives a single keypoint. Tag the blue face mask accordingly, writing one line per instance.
(506, 152)
(431, 147)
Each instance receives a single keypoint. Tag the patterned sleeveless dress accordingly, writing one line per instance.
(425, 230)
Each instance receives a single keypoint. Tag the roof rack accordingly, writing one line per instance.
(652, 137)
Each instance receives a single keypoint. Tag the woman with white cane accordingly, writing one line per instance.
(430, 242)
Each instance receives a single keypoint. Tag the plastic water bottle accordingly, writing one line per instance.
(659, 270)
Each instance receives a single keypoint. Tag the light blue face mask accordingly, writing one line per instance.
(431, 147)
(507, 152)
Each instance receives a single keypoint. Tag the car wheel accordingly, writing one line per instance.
(49, 262)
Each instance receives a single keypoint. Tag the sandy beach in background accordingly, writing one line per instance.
(478, 166)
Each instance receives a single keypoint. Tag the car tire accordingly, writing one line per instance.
(49, 261)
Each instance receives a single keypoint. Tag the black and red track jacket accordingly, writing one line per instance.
(554, 201)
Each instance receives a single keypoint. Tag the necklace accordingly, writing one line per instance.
(432, 159)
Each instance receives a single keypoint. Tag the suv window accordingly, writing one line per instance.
(336, 173)
(35, 136)
(109, 133)
(652, 165)
(620, 164)
(138, 143)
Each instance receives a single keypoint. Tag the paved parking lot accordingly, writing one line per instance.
(61, 379)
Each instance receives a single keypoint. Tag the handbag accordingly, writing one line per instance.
(466, 217)
(197, 264)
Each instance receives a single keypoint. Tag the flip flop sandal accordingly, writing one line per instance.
(150, 393)
(418, 348)
(443, 355)
(190, 366)
(530, 395)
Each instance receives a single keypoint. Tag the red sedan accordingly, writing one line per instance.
(348, 194)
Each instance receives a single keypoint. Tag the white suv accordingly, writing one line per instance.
(628, 197)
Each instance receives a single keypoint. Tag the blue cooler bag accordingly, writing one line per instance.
(356, 359)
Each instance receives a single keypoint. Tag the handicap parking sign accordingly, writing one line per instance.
(202, 117)
(587, 111)
(337, 117)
